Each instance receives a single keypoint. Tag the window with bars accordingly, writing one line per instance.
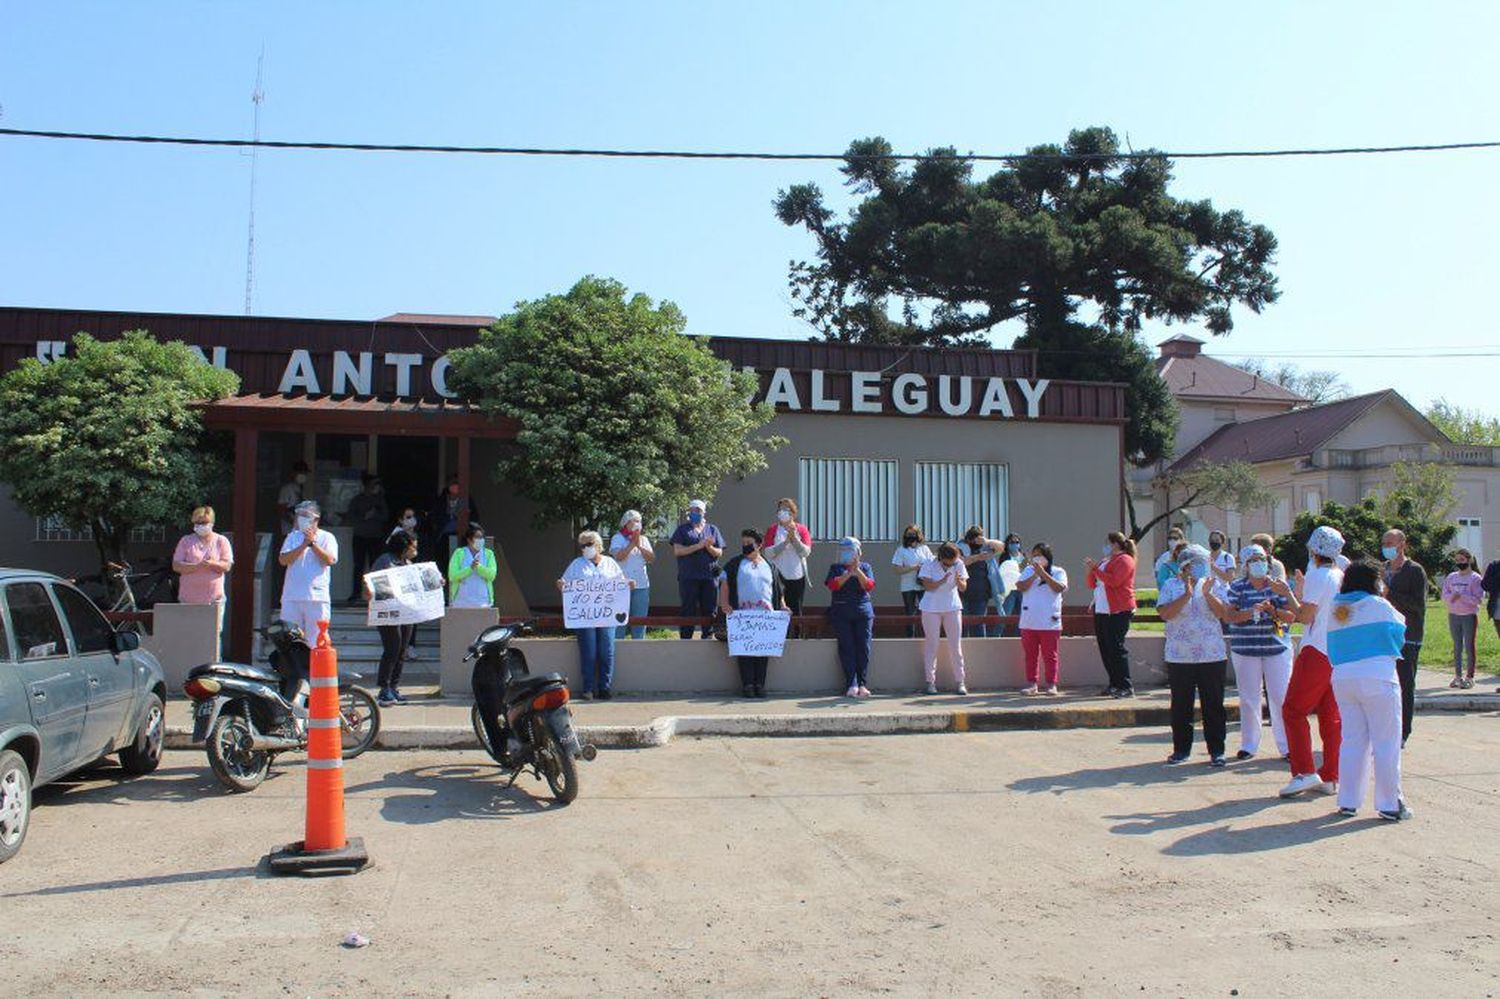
(54, 529)
(951, 496)
(844, 496)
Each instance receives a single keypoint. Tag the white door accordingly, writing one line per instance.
(1471, 536)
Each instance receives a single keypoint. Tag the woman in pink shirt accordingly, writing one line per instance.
(200, 561)
(1463, 594)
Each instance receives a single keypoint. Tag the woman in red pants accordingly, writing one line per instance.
(1311, 689)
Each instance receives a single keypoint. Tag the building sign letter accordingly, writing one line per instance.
(440, 377)
(864, 391)
(965, 394)
(1033, 394)
(909, 393)
(347, 374)
(299, 374)
(403, 363)
(820, 402)
(783, 391)
(995, 400)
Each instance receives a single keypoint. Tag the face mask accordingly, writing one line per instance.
(589, 552)
(847, 555)
(910, 539)
(1388, 552)
(477, 544)
(695, 517)
(1461, 566)
(300, 478)
(747, 548)
(628, 532)
(1215, 545)
(203, 530)
(1013, 549)
(408, 522)
(1107, 550)
(303, 523)
(783, 515)
(1258, 570)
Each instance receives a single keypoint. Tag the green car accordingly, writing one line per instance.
(73, 690)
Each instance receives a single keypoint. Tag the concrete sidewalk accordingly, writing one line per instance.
(431, 722)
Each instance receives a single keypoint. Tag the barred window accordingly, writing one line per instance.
(54, 529)
(951, 496)
(844, 496)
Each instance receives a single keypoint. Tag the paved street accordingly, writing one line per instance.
(1015, 863)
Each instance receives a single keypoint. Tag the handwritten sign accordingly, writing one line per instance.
(405, 594)
(596, 602)
(758, 632)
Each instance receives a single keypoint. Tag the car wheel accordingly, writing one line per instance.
(144, 755)
(15, 803)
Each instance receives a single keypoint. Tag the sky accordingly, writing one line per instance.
(1377, 254)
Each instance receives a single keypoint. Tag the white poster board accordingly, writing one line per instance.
(405, 594)
(596, 602)
(758, 632)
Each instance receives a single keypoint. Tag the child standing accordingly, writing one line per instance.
(1463, 594)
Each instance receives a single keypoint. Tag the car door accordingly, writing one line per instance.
(110, 678)
(55, 686)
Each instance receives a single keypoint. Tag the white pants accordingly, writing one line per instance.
(1249, 673)
(1370, 708)
(305, 614)
(949, 622)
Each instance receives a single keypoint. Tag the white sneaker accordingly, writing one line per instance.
(412, 655)
(1326, 787)
(931, 688)
(1306, 782)
(962, 691)
(852, 692)
(1028, 691)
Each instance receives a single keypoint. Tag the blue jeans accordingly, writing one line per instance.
(596, 657)
(975, 606)
(699, 598)
(1011, 607)
(854, 627)
(640, 605)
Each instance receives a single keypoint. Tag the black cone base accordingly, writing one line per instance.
(293, 859)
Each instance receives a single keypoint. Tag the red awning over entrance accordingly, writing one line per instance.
(327, 415)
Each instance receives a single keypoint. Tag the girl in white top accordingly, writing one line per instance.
(1222, 559)
(596, 646)
(1042, 586)
(632, 549)
(943, 579)
(911, 556)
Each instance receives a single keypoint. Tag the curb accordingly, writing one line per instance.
(663, 730)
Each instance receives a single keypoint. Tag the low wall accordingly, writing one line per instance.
(811, 666)
(182, 636)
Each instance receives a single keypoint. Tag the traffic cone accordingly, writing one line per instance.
(324, 848)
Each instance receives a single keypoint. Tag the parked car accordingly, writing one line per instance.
(72, 691)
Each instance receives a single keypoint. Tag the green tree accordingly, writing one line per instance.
(110, 438)
(1420, 490)
(1464, 426)
(616, 407)
(1033, 242)
(1233, 485)
(1363, 525)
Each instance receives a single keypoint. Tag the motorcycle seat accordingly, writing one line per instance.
(245, 671)
(529, 685)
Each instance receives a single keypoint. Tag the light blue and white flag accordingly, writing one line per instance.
(1363, 626)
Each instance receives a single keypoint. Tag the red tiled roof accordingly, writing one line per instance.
(1203, 377)
(1285, 435)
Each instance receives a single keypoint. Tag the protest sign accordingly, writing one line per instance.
(758, 632)
(405, 594)
(596, 602)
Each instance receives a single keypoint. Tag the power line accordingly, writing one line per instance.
(685, 154)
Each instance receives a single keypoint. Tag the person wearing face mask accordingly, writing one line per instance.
(472, 571)
(1311, 690)
(308, 554)
(596, 646)
(1258, 617)
(697, 545)
(400, 549)
(1195, 655)
(908, 561)
(1112, 580)
(201, 561)
(1463, 593)
(750, 581)
(1042, 585)
(632, 549)
(367, 515)
(1406, 589)
(1221, 559)
(1268, 545)
(444, 519)
(788, 545)
(1166, 562)
(1011, 564)
(409, 523)
(292, 493)
(943, 579)
(853, 616)
(980, 556)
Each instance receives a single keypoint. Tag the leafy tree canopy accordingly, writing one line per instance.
(617, 408)
(109, 438)
(1464, 426)
(1232, 485)
(1314, 386)
(1032, 242)
(1363, 525)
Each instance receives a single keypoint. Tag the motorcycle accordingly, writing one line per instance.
(523, 721)
(246, 715)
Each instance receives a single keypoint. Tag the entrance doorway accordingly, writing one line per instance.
(410, 468)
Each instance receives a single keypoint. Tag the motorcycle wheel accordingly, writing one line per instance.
(238, 767)
(359, 721)
(480, 733)
(555, 762)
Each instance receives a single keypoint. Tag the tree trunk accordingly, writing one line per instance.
(109, 542)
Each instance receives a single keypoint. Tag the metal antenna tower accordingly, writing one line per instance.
(257, 97)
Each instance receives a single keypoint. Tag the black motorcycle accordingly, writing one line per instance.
(248, 714)
(523, 721)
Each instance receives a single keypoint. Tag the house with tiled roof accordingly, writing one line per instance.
(1306, 454)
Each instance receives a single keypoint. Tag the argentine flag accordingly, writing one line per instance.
(1363, 626)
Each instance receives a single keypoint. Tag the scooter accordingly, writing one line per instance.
(523, 721)
(247, 714)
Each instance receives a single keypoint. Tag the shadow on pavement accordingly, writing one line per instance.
(455, 791)
(1146, 823)
(261, 870)
(1133, 775)
(113, 786)
(1259, 839)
